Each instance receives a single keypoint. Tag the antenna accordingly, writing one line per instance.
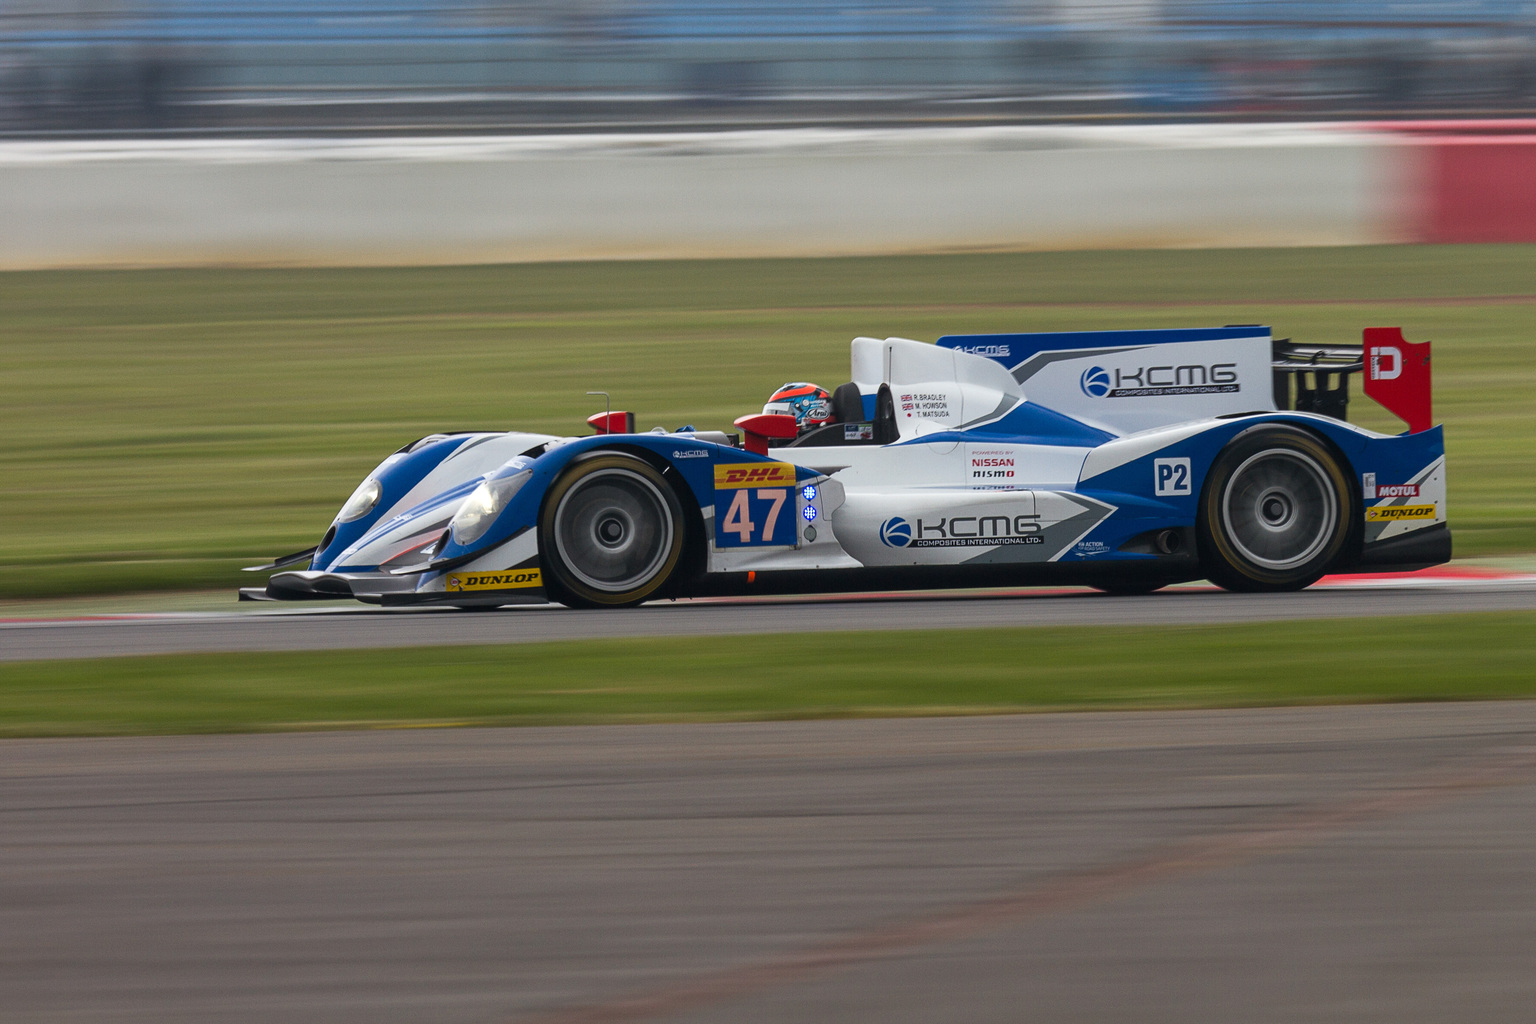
(607, 405)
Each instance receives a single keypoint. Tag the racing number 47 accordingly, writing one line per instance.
(738, 518)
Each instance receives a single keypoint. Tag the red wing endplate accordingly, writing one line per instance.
(1397, 375)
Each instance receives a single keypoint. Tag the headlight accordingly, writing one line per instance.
(362, 501)
(482, 507)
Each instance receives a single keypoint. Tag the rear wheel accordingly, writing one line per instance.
(1275, 512)
(611, 533)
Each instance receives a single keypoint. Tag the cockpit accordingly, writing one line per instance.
(849, 420)
(900, 388)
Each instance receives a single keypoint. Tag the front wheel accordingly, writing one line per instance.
(610, 534)
(1275, 512)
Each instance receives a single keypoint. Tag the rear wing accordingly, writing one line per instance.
(1315, 378)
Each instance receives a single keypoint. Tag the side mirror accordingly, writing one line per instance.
(760, 428)
(612, 422)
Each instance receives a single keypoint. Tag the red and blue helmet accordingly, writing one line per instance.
(811, 404)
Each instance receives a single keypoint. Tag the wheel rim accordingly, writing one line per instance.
(613, 530)
(1279, 509)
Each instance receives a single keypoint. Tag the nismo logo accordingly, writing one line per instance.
(754, 474)
(1157, 381)
(991, 467)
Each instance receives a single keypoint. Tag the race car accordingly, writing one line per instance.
(1120, 460)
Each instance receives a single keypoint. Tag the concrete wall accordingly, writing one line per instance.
(760, 193)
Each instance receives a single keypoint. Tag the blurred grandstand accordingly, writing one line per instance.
(225, 66)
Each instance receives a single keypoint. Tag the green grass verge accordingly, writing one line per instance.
(162, 428)
(803, 676)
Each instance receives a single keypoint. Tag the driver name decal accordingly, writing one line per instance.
(925, 404)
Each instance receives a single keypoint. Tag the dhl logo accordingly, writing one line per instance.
(754, 474)
(1392, 513)
(511, 580)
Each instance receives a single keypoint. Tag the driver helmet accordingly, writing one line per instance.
(810, 404)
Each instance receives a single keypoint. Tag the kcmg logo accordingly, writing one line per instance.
(896, 532)
(1095, 382)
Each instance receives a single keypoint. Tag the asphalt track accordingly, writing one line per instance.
(289, 628)
(1342, 864)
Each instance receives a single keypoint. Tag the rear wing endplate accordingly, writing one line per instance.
(1315, 378)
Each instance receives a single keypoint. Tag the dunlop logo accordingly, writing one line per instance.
(1392, 513)
(754, 474)
(512, 579)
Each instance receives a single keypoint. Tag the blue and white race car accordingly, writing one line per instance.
(1123, 460)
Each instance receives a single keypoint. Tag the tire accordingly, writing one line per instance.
(610, 534)
(1275, 512)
